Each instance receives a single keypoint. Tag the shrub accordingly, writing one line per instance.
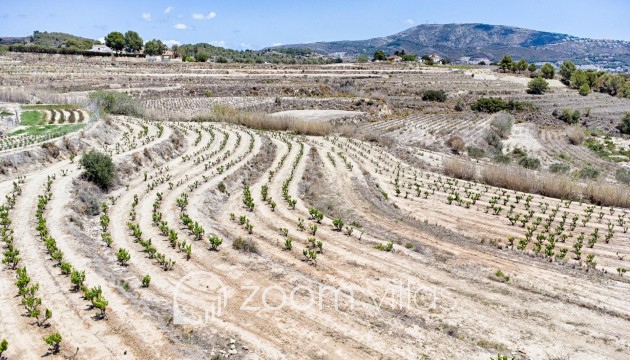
(589, 172)
(475, 152)
(502, 124)
(146, 281)
(576, 135)
(531, 163)
(537, 86)
(247, 245)
(456, 144)
(434, 95)
(116, 103)
(502, 159)
(569, 116)
(502, 276)
(460, 105)
(559, 168)
(201, 57)
(493, 139)
(584, 90)
(99, 168)
(623, 176)
(624, 127)
(492, 105)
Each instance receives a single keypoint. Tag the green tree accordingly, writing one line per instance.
(537, 86)
(379, 55)
(532, 67)
(578, 78)
(115, 40)
(363, 58)
(99, 168)
(154, 47)
(409, 57)
(201, 57)
(133, 41)
(506, 63)
(547, 71)
(567, 69)
(584, 90)
(175, 49)
(521, 65)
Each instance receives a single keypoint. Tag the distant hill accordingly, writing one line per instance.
(483, 41)
(47, 39)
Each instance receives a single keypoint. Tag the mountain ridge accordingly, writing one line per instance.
(485, 41)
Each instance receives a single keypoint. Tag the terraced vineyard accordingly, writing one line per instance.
(255, 208)
(218, 240)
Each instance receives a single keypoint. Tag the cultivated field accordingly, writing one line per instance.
(280, 244)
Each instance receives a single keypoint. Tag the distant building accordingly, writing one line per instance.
(101, 48)
(394, 58)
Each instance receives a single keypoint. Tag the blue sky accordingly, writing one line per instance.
(255, 24)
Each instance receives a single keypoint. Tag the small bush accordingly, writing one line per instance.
(623, 176)
(456, 144)
(434, 95)
(460, 105)
(568, 116)
(559, 168)
(589, 172)
(99, 169)
(475, 152)
(116, 103)
(493, 139)
(502, 124)
(584, 90)
(624, 127)
(493, 105)
(576, 135)
(90, 204)
(247, 245)
(502, 159)
(531, 163)
(518, 152)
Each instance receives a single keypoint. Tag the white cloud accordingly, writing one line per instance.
(181, 27)
(199, 16)
(409, 22)
(168, 9)
(146, 16)
(219, 43)
(101, 40)
(170, 43)
(276, 44)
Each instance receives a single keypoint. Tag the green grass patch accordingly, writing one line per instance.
(51, 130)
(68, 107)
(32, 118)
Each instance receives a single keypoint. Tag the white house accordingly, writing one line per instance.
(101, 48)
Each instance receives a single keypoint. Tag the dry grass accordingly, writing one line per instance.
(460, 169)
(575, 134)
(265, 122)
(552, 185)
(25, 95)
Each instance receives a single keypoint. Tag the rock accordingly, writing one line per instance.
(245, 348)
(233, 352)
(232, 346)
(232, 341)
